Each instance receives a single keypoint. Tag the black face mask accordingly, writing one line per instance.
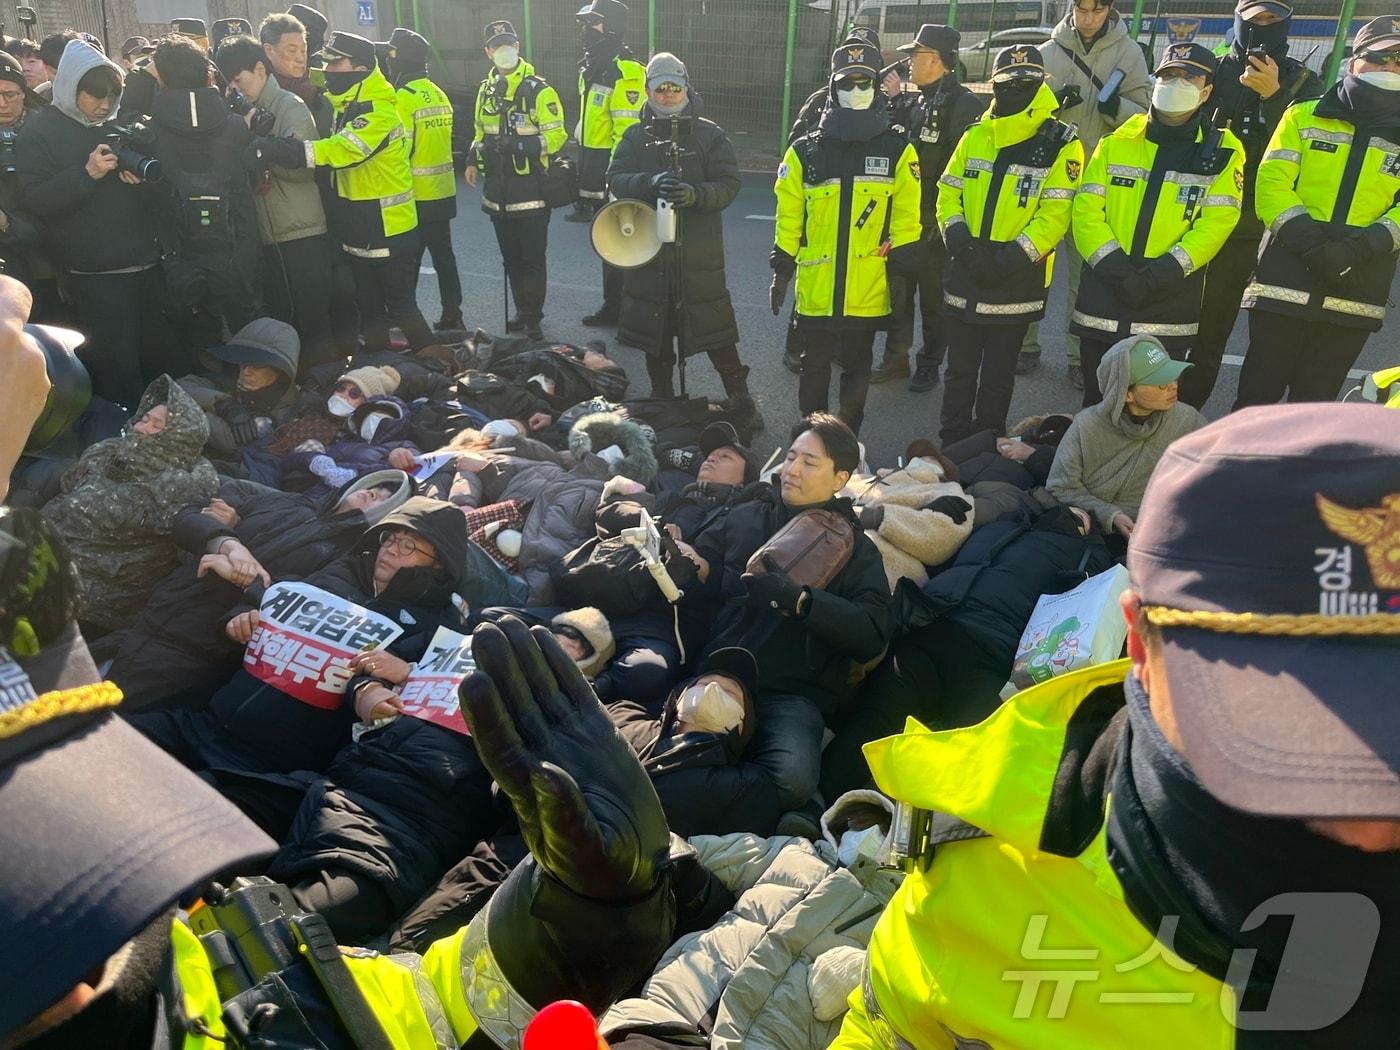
(340, 83)
(588, 36)
(1272, 38)
(1013, 96)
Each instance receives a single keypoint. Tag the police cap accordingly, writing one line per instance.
(191, 27)
(410, 48)
(1378, 36)
(499, 32)
(227, 27)
(612, 13)
(1194, 59)
(855, 61)
(863, 35)
(1018, 62)
(347, 45)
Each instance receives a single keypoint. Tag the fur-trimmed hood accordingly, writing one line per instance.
(593, 625)
(603, 431)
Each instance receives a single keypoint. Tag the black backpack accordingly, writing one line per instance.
(609, 574)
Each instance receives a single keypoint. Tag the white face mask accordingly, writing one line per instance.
(505, 57)
(1385, 79)
(338, 406)
(711, 708)
(500, 428)
(370, 424)
(855, 98)
(1176, 96)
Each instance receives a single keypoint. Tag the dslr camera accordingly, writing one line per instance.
(123, 141)
(240, 104)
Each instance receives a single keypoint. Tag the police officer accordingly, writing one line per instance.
(1004, 203)
(848, 214)
(519, 128)
(375, 218)
(225, 28)
(1328, 260)
(1157, 201)
(426, 113)
(1199, 845)
(612, 88)
(1255, 81)
(933, 119)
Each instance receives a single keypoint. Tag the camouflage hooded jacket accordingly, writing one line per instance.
(118, 501)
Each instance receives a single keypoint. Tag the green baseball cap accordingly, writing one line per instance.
(1151, 365)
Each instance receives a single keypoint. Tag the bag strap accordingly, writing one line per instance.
(1083, 67)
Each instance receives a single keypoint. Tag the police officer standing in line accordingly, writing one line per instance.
(1255, 81)
(1004, 203)
(933, 119)
(1158, 200)
(612, 88)
(1327, 189)
(519, 128)
(845, 246)
(426, 113)
(375, 218)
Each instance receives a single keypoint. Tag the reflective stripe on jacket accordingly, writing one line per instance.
(611, 106)
(519, 126)
(426, 114)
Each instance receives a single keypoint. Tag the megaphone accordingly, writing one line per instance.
(625, 234)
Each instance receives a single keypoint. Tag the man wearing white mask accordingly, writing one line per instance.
(519, 129)
(1158, 199)
(1327, 191)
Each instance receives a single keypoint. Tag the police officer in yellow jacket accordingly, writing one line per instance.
(519, 129)
(1004, 203)
(1158, 200)
(848, 214)
(612, 89)
(376, 219)
(1329, 192)
(426, 113)
(1199, 845)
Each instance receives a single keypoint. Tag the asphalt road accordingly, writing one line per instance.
(893, 415)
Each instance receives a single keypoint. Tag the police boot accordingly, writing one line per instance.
(739, 403)
(450, 320)
(581, 213)
(604, 317)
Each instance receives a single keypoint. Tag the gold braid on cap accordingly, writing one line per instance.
(58, 704)
(1304, 625)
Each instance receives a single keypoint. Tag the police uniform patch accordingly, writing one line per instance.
(553, 108)
(633, 97)
(1239, 179)
(783, 170)
(359, 123)
(914, 169)
(877, 165)
(1072, 169)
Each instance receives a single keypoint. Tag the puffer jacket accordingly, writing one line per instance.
(119, 501)
(1114, 48)
(749, 978)
(178, 641)
(560, 518)
(911, 535)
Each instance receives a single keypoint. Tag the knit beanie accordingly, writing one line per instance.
(593, 625)
(373, 381)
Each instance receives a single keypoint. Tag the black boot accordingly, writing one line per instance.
(515, 324)
(739, 403)
(604, 317)
(582, 213)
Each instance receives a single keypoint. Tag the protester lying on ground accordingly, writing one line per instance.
(961, 630)
(246, 536)
(252, 735)
(915, 516)
(252, 390)
(1022, 458)
(1105, 459)
(118, 501)
(376, 436)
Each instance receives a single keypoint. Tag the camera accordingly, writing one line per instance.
(121, 142)
(240, 104)
(9, 137)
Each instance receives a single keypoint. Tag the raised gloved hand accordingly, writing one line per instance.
(541, 732)
(1330, 261)
(954, 507)
(777, 291)
(774, 589)
(283, 152)
(675, 192)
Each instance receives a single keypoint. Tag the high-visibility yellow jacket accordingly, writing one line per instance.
(1011, 180)
(1315, 185)
(1151, 191)
(369, 154)
(843, 207)
(519, 127)
(1017, 933)
(426, 114)
(611, 94)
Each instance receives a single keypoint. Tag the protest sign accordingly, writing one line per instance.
(431, 690)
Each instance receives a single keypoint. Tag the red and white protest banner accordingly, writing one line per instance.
(430, 693)
(306, 638)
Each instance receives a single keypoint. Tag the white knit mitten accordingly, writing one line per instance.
(324, 468)
(833, 977)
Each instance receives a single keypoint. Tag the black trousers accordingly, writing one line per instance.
(129, 337)
(1091, 352)
(298, 281)
(524, 242)
(661, 364)
(1226, 278)
(1307, 360)
(355, 906)
(436, 238)
(229, 299)
(850, 348)
(980, 378)
(387, 291)
(928, 283)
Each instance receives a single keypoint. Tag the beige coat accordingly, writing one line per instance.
(911, 537)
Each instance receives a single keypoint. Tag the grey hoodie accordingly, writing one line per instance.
(1113, 49)
(1104, 460)
(80, 58)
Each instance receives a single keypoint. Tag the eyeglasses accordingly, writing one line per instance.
(668, 88)
(1381, 58)
(9, 98)
(402, 542)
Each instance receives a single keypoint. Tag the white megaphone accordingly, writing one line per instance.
(628, 234)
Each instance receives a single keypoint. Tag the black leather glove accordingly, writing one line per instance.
(679, 194)
(980, 260)
(954, 507)
(1161, 273)
(283, 152)
(1069, 96)
(1134, 290)
(777, 291)
(774, 589)
(686, 459)
(872, 516)
(1330, 261)
(540, 732)
(957, 239)
(1011, 259)
(1109, 107)
(1114, 268)
(1302, 233)
(244, 427)
(1371, 241)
